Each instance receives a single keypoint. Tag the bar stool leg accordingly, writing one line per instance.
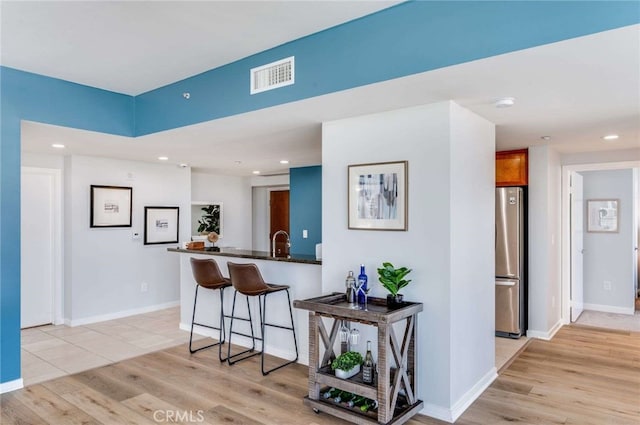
(231, 332)
(222, 327)
(193, 322)
(263, 324)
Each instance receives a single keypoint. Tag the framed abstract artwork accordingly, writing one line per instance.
(377, 196)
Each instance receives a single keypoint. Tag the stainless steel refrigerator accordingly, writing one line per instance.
(510, 262)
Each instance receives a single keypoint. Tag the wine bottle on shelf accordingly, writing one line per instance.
(367, 366)
(331, 393)
(362, 283)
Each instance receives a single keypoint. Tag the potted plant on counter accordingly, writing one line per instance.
(347, 364)
(393, 280)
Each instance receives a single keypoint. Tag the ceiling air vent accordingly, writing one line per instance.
(273, 75)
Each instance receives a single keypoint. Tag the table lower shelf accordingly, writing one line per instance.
(364, 418)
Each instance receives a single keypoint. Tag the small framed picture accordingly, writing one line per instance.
(161, 225)
(602, 215)
(110, 206)
(378, 196)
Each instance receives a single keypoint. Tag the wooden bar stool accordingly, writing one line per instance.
(247, 280)
(207, 275)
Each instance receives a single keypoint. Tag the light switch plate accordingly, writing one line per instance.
(305, 234)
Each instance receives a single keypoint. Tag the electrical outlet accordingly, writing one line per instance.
(144, 287)
(607, 285)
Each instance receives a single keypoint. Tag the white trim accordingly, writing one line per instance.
(120, 314)
(610, 309)
(548, 335)
(437, 412)
(474, 392)
(566, 237)
(452, 414)
(6, 387)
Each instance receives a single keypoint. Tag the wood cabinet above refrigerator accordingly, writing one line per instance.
(512, 168)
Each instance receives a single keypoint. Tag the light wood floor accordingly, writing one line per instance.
(583, 376)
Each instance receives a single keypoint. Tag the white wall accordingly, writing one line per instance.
(235, 194)
(609, 256)
(449, 244)
(42, 160)
(620, 155)
(544, 241)
(105, 267)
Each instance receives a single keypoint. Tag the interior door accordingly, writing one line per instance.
(577, 247)
(279, 217)
(37, 247)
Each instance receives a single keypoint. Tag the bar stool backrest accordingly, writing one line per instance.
(207, 273)
(246, 278)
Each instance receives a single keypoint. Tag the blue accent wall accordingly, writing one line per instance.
(406, 39)
(27, 96)
(410, 38)
(305, 208)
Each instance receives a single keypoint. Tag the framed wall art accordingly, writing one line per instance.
(378, 196)
(110, 206)
(602, 215)
(161, 225)
(206, 217)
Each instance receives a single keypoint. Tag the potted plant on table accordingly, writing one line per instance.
(347, 364)
(393, 280)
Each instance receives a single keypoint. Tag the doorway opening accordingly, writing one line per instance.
(261, 216)
(600, 269)
(279, 222)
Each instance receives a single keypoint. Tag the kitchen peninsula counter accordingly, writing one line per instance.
(247, 253)
(303, 274)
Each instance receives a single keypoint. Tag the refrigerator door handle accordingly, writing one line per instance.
(505, 283)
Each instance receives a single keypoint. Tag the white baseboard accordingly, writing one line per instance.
(474, 392)
(242, 341)
(452, 414)
(120, 314)
(548, 334)
(6, 387)
(610, 309)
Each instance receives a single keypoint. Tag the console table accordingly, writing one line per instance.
(394, 388)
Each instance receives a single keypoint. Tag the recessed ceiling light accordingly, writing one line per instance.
(546, 138)
(505, 102)
(57, 146)
(163, 158)
(256, 172)
(611, 137)
(284, 161)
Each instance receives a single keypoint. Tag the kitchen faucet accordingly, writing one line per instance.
(273, 241)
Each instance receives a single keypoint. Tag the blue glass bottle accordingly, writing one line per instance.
(362, 279)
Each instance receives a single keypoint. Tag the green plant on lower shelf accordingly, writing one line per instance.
(347, 361)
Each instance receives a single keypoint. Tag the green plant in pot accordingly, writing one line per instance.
(393, 281)
(347, 364)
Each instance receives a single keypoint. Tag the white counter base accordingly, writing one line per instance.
(305, 281)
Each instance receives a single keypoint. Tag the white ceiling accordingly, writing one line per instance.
(132, 47)
(575, 91)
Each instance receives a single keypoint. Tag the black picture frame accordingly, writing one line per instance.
(110, 206)
(161, 225)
